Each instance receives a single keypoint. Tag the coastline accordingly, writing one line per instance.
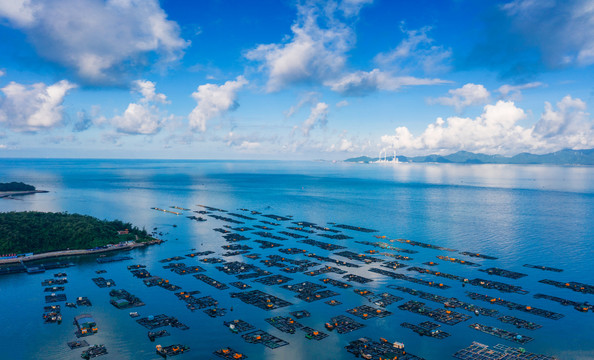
(8, 194)
(64, 253)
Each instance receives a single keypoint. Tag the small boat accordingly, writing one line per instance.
(134, 314)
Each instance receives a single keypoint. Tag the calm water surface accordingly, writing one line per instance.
(521, 214)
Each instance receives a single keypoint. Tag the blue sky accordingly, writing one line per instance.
(285, 79)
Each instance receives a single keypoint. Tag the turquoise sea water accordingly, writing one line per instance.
(521, 214)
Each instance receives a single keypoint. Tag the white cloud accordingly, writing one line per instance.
(416, 52)
(315, 51)
(352, 7)
(515, 91)
(342, 103)
(144, 117)
(138, 119)
(33, 108)
(361, 83)
(496, 130)
(213, 101)
(467, 95)
(305, 99)
(147, 90)
(256, 142)
(2, 73)
(99, 40)
(567, 127)
(249, 146)
(562, 30)
(20, 12)
(343, 144)
(317, 117)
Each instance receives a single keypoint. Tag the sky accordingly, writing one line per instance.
(294, 79)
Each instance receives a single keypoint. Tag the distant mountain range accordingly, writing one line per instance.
(562, 157)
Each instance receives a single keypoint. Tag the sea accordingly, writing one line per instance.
(520, 214)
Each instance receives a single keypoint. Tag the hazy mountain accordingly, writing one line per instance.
(562, 157)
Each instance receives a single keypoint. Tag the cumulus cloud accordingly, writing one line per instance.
(148, 91)
(99, 40)
(467, 95)
(33, 108)
(361, 83)
(493, 131)
(213, 101)
(496, 130)
(317, 117)
(144, 117)
(567, 127)
(416, 51)
(138, 119)
(315, 51)
(515, 91)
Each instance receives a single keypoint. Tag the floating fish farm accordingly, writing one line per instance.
(157, 321)
(378, 350)
(504, 334)
(238, 326)
(515, 306)
(478, 351)
(379, 262)
(261, 299)
(504, 273)
(229, 353)
(264, 338)
(444, 316)
(427, 328)
(544, 268)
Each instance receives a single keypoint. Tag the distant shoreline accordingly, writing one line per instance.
(4, 194)
(563, 157)
(64, 253)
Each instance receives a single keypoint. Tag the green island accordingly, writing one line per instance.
(40, 232)
(16, 186)
(11, 189)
